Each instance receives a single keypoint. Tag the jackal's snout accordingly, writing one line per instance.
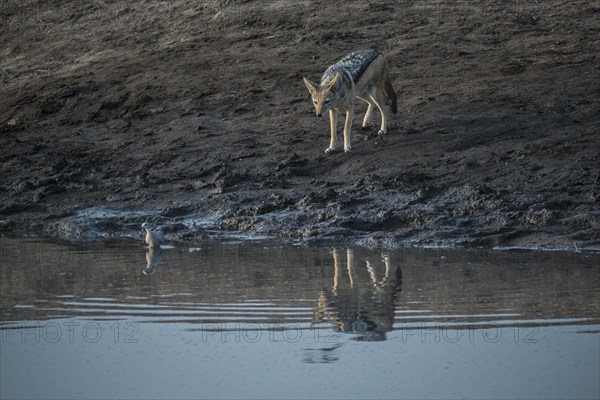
(319, 108)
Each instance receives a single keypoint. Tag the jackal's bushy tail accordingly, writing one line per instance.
(390, 95)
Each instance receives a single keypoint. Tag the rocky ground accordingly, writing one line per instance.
(193, 114)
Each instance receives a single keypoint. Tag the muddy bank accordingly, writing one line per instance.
(195, 116)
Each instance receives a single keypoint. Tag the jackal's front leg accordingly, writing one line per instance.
(347, 130)
(333, 128)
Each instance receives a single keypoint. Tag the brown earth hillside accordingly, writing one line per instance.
(193, 114)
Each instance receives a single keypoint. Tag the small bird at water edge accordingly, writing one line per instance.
(154, 238)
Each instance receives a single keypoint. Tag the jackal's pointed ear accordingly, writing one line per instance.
(312, 87)
(332, 82)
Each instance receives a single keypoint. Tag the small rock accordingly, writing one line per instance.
(183, 186)
(329, 194)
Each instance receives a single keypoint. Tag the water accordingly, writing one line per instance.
(260, 320)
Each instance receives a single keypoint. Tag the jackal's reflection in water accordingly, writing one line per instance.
(154, 257)
(362, 297)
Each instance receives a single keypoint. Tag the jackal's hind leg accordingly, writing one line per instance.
(377, 98)
(367, 120)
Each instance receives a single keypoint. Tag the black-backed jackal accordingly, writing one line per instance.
(361, 74)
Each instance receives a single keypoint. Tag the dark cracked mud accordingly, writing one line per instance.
(194, 115)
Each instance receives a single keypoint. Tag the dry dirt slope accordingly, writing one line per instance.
(198, 108)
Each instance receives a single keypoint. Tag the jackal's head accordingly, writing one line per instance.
(323, 96)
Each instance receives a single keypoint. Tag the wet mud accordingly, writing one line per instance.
(194, 116)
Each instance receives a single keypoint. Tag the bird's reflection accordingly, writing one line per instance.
(154, 257)
(362, 298)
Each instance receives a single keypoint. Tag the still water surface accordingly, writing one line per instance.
(261, 320)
